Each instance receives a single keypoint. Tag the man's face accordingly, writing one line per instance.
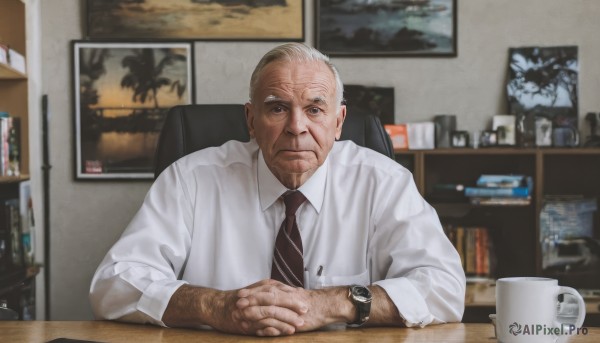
(295, 117)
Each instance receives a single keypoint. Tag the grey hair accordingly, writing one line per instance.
(296, 52)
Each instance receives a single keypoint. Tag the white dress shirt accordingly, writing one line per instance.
(212, 217)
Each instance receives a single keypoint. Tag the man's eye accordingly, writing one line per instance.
(314, 111)
(277, 109)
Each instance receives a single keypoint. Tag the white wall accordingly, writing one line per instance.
(87, 217)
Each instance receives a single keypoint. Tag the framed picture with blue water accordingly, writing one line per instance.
(122, 92)
(399, 28)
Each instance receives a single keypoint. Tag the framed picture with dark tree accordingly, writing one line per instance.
(226, 20)
(378, 101)
(386, 27)
(543, 82)
(122, 92)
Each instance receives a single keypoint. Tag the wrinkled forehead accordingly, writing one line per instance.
(306, 79)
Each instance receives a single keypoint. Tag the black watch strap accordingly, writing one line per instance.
(361, 298)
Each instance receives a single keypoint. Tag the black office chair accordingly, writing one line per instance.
(190, 128)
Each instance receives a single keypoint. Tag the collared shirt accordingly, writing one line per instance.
(212, 217)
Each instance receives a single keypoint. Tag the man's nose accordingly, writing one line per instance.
(296, 122)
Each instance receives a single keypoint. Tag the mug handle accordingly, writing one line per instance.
(580, 302)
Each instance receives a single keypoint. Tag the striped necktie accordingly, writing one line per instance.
(288, 260)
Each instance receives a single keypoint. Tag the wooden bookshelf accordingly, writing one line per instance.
(514, 229)
(13, 179)
(17, 284)
(14, 84)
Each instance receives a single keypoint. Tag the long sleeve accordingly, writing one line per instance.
(140, 272)
(418, 266)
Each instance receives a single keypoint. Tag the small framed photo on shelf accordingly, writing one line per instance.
(122, 93)
(504, 125)
(459, 139)
(488, 138)
(543, 131)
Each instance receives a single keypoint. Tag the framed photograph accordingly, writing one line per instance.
(543, 131)
(543, 82)
(238, 20)
(504, 125)
(378, 101)
(386, 28)
(488, 139)
(122, 92)
(459, 139)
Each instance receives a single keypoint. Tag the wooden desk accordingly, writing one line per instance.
(40, 331)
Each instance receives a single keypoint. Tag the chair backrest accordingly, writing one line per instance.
(189, 128)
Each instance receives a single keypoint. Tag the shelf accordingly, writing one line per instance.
(13, 279)
(502, 151)
(13, 179)
(9, 73)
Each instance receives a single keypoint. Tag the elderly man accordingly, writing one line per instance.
(289, 232)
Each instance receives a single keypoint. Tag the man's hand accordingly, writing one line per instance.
(278, 313)
(316, 308)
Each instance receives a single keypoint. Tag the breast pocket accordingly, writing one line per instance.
(362, 279)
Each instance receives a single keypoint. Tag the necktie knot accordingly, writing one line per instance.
(292, 201)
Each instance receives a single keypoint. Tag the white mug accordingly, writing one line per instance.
(527, 310)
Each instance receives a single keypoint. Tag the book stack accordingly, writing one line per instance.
(11, 254)
(12, 58)
(475, 249)
(10, 130)
(16, 231)
(498, 190)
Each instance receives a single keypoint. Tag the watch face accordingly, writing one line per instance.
(361, 293)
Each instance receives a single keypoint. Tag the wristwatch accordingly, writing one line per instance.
(361, 298)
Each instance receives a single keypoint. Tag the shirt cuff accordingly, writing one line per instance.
(156, 297)
(408, 301)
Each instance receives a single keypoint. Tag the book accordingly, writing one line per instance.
(459, 245)
(10, 145)
(3, 53)
(470, 256)
(27, 222)
(14, 147)
(500, 201)
(10, 232)
(447, 192)
(4, 145)
(16, 60)
(421, 135)
(522, 192)
(398, 135)
(509, 180)
(475, 248)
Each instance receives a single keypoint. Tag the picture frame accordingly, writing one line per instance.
(505, 126)
(543, 81)
(459, 139)
(350, 28)
(488, 138)
(120, 103)
(216, 20)
(543, 131)
(375, 100)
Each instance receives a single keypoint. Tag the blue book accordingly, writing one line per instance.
(508, 180)
(517, 192)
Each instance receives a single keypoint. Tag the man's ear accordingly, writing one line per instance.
(340, 121)
(249, 118)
